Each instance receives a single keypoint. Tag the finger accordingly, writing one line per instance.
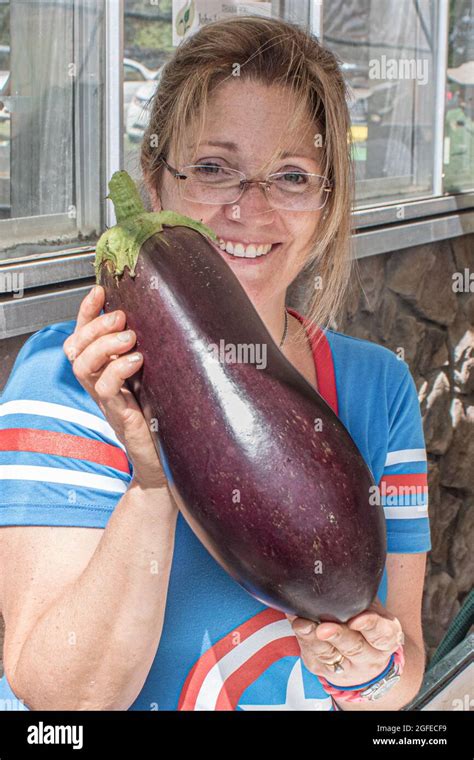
(126, 416)
(91, 331)
(348, 642)
(305, 632)
(98, 353)
(90, 306)
(111, 380)
(381, 632)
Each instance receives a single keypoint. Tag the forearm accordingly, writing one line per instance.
(93, 647)
(403, 691)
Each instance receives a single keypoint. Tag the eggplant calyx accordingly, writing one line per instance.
(121, 244)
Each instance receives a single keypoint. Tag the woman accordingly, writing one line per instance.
(125, 609)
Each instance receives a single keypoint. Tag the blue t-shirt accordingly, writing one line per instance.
(61, 464)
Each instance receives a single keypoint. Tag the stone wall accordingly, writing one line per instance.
(406, 301)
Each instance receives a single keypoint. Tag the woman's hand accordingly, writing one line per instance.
(366, 641)
(101, 362)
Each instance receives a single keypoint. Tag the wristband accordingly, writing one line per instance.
(388, 677)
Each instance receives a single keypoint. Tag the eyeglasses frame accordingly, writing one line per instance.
(244, 183)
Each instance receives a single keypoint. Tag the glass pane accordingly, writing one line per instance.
(459, 121)
(389, 55)
(5, 90)
(51, 90)
(152, 31)
(147, 47)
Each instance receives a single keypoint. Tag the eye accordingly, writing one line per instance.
(207, 167)
(292, 177)
(295, 178)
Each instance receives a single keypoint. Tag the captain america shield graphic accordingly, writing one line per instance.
(257, 666)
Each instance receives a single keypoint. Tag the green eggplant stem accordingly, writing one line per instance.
(120, 245)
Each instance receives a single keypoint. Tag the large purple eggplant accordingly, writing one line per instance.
(262, 469)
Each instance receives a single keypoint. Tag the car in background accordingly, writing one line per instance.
(135, 74)
(138, 114)
(5, 76)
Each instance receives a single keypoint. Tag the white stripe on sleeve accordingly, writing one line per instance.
(61, 412)
(406, 513)
(405, 455)
(64, 476)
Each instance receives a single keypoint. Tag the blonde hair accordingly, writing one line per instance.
(273, 52)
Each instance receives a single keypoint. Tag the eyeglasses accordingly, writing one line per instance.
(219, 185)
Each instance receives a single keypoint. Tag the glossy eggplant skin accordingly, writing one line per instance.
(280, 500)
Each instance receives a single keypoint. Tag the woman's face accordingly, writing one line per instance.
(247, 119)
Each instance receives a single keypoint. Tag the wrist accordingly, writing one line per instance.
(372, 689)
(158, 495)
(148, 484)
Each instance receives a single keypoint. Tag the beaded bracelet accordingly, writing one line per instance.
(352, 693)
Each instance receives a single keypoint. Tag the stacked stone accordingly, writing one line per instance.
(419, 302)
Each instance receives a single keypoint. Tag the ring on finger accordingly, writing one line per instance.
(336, 664)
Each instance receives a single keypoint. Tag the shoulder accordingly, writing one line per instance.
(51, 334)
(48, 337)
(41, 363)
(42, 380)
(369, 361)
(61, 462)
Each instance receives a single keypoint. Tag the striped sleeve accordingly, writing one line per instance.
(60, 461)
(404, 482)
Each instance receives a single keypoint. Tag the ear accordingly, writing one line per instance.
(153, 195)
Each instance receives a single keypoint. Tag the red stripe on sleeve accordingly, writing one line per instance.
(410, 479)
(63, 445)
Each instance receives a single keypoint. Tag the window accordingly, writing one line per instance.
(51, 117)
(390, 58)
(148, 42)
(459, 119)
(410, 66)
(412, 130)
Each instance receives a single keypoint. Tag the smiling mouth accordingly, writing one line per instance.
(245, 252)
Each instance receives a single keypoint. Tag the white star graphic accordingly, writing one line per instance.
(295, 697)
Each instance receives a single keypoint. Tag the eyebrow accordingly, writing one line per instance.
(232, 146)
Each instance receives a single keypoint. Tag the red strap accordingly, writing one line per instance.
(323, 361)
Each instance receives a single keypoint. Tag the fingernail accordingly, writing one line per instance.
(110, 318)
(307, 629)
(134, 358)
(124, 337)
(93, 293)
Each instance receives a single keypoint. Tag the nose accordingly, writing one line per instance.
(252, 203)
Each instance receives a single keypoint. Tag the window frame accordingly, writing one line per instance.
(88, 213)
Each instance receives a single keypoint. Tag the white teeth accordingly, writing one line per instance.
(250, 251)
